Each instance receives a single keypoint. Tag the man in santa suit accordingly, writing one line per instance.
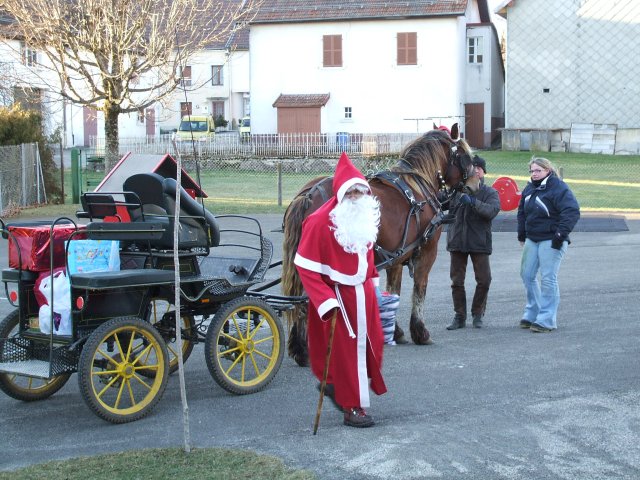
(336, 266)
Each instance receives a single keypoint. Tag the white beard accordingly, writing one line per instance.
(355, 223)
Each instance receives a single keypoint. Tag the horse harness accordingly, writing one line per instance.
(395, 179)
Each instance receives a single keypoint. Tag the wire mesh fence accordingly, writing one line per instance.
(263, 173)
(21, 181)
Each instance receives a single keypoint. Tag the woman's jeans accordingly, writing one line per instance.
(543, 297)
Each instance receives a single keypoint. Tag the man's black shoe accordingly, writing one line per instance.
(477, 321)
(357, 417)
(458, 322)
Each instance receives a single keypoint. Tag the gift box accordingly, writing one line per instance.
(33, 240)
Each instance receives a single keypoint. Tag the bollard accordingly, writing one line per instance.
(76, 175)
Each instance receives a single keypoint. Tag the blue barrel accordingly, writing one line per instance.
(342, 139)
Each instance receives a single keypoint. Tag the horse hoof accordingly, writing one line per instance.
(301, 361)
(401, 340)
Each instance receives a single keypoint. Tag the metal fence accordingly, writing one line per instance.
(267, 171)
(231, 144)
(21, 179)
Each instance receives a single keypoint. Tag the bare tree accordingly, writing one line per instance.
(120, 56)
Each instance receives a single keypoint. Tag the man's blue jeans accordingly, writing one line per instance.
(543, 297)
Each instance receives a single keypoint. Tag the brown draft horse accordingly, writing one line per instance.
(410, 224)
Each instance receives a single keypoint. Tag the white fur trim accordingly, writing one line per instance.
(363, 379)
(347, 185)
(339, 277)
(327, 305)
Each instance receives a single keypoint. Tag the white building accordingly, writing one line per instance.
(216, 83)
(365, 67)
(27, 78)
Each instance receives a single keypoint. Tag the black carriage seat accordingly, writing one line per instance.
(198, 227)
(122, 279)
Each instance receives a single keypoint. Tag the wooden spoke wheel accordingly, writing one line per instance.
(161, 314)
(111, 365)
(244, 345)
(23, 387)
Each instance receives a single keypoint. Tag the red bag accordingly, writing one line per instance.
(33, 243)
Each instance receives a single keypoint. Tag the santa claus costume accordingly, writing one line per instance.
(338, 277)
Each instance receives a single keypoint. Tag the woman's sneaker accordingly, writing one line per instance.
(357, 417)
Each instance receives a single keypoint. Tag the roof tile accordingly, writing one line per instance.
(277, 11)
(302, 100)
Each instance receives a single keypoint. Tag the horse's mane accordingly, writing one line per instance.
(428, 155)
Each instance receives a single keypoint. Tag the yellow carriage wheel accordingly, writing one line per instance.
(109, 370)
(161, 314)
(244, 345)
(23, 387)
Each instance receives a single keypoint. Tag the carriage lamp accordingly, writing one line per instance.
(13, 296)
(80, 303)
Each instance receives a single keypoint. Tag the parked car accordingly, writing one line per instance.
(198, 127)
(245, 128)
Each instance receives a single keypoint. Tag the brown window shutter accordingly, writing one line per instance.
(332, 50)
(407, 48)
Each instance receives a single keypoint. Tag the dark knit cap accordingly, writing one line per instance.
(480, 162)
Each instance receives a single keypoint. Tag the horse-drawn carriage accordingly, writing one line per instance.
(119, 325)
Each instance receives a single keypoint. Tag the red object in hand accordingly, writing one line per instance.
(508, 193)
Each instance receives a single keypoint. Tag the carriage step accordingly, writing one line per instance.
(30, 368)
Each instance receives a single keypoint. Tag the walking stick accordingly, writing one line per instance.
(325, 374)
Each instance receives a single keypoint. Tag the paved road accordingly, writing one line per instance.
(495, 403)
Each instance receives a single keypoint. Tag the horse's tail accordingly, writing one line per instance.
(291, 284)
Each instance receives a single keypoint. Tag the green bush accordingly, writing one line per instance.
(19, 126)
(219, 121)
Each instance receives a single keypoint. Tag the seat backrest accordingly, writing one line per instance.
(158, 198)
(148, 187)
(189, 206)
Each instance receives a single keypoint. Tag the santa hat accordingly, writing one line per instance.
(346, 176)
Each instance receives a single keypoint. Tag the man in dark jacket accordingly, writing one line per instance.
(470, 236)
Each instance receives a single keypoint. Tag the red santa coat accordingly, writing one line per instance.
(334, 278)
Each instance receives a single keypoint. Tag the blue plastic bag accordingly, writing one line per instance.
(388, 304)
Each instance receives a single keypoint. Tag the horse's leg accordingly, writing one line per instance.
(394, 282)
(423, 263)
(298, 337)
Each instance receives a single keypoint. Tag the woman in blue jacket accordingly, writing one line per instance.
(547, 213)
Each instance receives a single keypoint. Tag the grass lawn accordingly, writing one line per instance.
(172, 463)
(600, 182)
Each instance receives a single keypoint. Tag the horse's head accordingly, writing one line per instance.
(460, 173)
(439, 151)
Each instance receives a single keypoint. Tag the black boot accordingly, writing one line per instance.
(477, 321)
(458, 322)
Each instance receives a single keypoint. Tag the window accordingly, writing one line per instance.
(407, 48)
(29, 56)
(474, 49)
(217, 108)
(185, 109)
(347, 112)
(185, 78)
(140, 116)
(216, 74)
(332, 50)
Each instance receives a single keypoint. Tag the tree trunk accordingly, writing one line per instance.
(112, 155)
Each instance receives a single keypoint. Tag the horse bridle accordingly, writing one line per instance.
(455, 158)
